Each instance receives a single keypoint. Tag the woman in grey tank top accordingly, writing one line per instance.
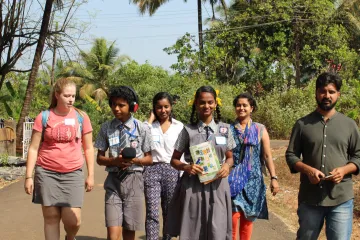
(202, 211)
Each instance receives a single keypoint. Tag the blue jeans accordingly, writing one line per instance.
(338, 221)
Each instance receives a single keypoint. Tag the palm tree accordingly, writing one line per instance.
(348, 11)
(150, 6)
(35, 67)
(96, 69)
(47, 71)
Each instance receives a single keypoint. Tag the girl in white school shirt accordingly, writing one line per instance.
(160, 179)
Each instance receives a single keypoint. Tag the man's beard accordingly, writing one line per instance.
(322, 105)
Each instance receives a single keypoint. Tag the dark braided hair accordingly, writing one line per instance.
(193, 115)
(194, 118)
(160, 96)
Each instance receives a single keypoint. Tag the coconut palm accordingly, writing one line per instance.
(45, 73)
(150, 6)
(348, 11)
(95, 69)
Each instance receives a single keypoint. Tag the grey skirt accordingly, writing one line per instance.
(199, 211)
(58, 189)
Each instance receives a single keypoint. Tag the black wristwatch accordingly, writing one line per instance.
(274, 177)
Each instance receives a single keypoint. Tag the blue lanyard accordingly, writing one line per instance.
(131, 134)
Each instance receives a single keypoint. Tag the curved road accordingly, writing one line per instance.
(20, 219)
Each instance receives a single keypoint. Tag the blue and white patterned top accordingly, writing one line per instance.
(252, 199)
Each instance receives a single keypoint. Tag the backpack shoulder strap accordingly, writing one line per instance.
(44, 119)
(80, 119)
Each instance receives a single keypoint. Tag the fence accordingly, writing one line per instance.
(27, 131)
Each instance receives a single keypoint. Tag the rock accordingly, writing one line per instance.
(9, 178)
(11, 173)
(16, 161)
(3, 172)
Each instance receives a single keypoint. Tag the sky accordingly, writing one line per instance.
(142, 38)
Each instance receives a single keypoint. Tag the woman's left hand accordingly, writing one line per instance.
(89, 183)
(274, 187)
(224, 171)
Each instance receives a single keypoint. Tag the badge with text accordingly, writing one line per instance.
(156, 138)
(114, 141)
(69, 121)
(220, 140)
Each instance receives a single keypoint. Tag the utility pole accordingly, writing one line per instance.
(201, 40)
(297, 45)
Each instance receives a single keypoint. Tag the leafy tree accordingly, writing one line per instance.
(348, 12)
(20, 28)
(268, 44)
(148, 80)
(95, 69)
(35, 67)
(40, 39)
(45, 73)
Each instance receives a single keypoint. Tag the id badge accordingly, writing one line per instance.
(223, 130)
(220, 140)
(69, 121)
(114, 141)
(134, 143)
(156, 138)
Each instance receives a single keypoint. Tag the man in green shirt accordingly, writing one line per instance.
(329, 144)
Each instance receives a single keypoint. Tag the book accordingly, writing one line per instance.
(204, 154)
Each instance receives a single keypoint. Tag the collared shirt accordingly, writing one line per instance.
(183, 140)
(138, 136)
(324, 145)
(164, 142)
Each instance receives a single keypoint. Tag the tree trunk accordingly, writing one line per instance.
(201, 43)
(34, 71)
(2, 80)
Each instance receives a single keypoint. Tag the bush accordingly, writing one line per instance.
(279, 110)
(148, 80)
(96, 117)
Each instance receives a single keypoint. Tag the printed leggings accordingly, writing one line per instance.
(160, 181)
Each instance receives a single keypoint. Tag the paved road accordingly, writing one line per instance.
(20, 219)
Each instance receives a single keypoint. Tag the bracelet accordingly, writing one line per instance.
(228, 164)
(274, 178)
(27, 178)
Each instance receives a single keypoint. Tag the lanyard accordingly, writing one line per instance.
(131, 134)
(209, 134)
